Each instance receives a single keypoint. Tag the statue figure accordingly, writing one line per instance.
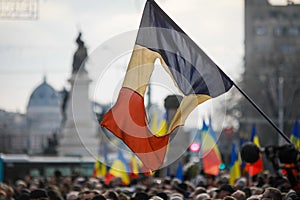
(80, 55)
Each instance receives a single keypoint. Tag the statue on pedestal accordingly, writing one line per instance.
(80, 131)
(80, 56)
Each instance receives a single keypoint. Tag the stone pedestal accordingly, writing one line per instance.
(79, 135)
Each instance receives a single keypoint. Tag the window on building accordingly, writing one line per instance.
(294, 31)
(287, 48)
(274, 14)
(261, 30)
(279, 31)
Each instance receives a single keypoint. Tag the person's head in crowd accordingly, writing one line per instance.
(73, 195)
(133, 181)
(54, 194)
(254, 197)
(111, 195)
(163, 195)
(146, 180)
(247, 191)
(10, 193)
(99, 197)
(124, 192)
(140, 196)
(156, 183)
(271, 193)
(152, 191)
(175, 182)
(80, 181)
(65, 188)
(240, 183)
(283, 184)
(225, 190)
(39, 194)
(76, 187)
(229, 198)
(256, 190)
(3, 191)
(140, 188)
(115, 182)
(213, 192)
(156, 198)
(202, 196)
(260, 180)
(123, 196)
(87, 194)
(176, 196)
(291, 195)
(28, 180)
(198, 190)
(167, 180)
(222, 180)
(33, 187)
(20, 185)
(23, 196)
(181, 188)
(239, 195)
(190, 186)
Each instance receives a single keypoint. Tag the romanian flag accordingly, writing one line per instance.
(134, 167)
(211, 157)
(235, 164)
(295, 136)
(137, 167)
(256, 167)
(99, 169)
(193, 72)
(119, 168)
(161, 129)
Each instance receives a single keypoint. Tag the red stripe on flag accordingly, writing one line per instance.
(127, 120)
(211, 162)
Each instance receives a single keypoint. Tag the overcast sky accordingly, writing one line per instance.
(30, 49)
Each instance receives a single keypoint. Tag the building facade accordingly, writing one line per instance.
(272, 66)
(44, 117)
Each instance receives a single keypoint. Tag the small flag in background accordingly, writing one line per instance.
(235, 165)
(179, 172)
(193, 72)
(295, 136)
(243, 139)
(161, 129)
(211, 157)
(119, 168)
(99, 169)
(134, 167)
(256, 167)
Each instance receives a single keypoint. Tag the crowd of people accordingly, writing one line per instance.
(202, 187)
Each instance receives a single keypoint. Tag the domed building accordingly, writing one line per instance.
(44, 117)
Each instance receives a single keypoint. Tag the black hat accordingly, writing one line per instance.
(38, 193)
(227, 188)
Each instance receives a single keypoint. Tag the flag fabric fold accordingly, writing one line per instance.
(193, 72)
(256, 167)
(211, 157)
(235, 164)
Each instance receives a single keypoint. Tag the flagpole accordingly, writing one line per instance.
(262, 113)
